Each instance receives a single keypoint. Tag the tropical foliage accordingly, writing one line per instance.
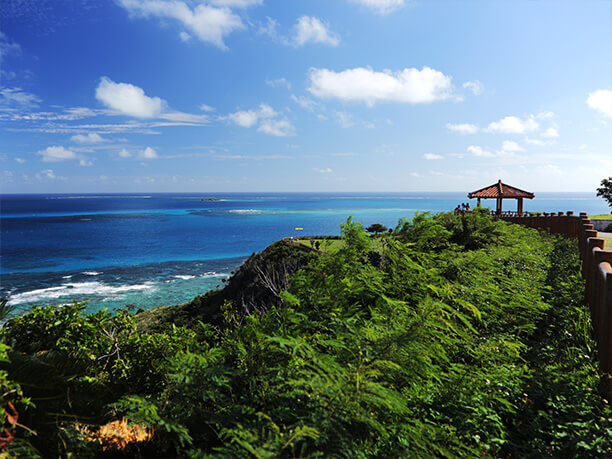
(454, 336)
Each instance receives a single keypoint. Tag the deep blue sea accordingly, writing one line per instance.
(152, 249)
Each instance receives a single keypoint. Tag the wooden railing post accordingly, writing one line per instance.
(591, 268)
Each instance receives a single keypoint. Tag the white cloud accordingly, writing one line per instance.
(601, 100)
(550, 133)
(381, 6)
(278, 82)
(185, 118)
(325, 170)
(124, 153)
(269, 29)
(244, 118)
(85, 162)
(304, 102)
(478, 151)
(236, 3)
(92, 137)
(207, 108)
(545, 115)
(185, 37)
(538, 142)
(345, 119)
(432, 156)
(7, 47)
(464, 128)
(148, 153)
(513, 125)
(47, 173)
(410, 86)
(57, 153)
(16, 97)
(249, 118)
(279, 128)
(128, 99)
(510, 146)
(20, 160)
(475, 86)
(311, 30)
(209, 24)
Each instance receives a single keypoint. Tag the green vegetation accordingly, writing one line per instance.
(458, 337)
(600, 217)
(605, 190)
(376, 228)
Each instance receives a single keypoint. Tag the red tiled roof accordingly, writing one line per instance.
(500, 190)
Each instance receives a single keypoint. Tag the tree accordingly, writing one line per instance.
(376, 228)
(605, 191)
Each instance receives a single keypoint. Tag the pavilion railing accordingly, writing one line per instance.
(596, 270)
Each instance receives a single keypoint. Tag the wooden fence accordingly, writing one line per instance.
(596, 269)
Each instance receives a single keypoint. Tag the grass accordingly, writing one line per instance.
(331, 246)
(607, 242)
(601, 217)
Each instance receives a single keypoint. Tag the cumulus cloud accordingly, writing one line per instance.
(124, 153)
(325, 170)
(601, 100)
(148, 153)
(409, 86)
(279, 128)
(249, 118)
(510, 146)
(476, 87)
(57, 153)
(128, 99)
(513, 125)
(20, 160)
(479, 151)
(382, 6)
(550, 133)
(208, 23)
(92, 137)
(432, 156)
(464, 128)
(311, 30)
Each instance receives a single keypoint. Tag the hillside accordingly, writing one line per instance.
(454, 336)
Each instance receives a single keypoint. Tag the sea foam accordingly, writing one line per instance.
(80, 288)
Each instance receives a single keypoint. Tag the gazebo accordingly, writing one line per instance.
(501, 191)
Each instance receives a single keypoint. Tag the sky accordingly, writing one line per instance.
(304, 95)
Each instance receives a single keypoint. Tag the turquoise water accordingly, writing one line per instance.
(151, 249)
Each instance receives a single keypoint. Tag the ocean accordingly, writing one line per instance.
(166, 248)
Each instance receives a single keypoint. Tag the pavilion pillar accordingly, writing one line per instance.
(519, 206)
(498, 210)
(478, 203)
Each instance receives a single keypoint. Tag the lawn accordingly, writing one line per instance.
(601, 217)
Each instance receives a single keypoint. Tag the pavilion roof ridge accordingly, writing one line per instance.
(501, 190)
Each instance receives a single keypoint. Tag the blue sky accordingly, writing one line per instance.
(304, 95)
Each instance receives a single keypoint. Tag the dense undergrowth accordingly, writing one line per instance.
(456, 336)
